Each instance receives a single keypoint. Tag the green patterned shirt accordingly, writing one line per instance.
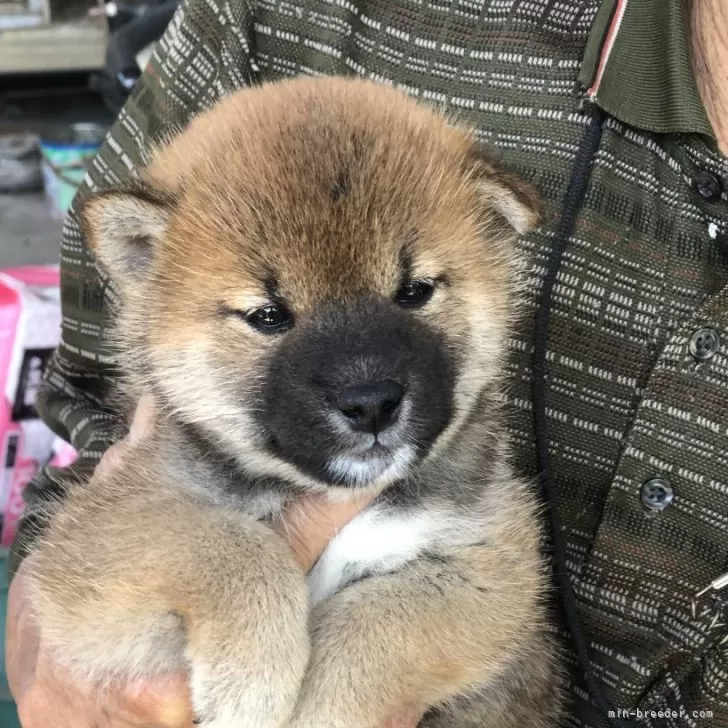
(636, 385)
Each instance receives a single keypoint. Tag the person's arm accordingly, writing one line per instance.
(202, 56)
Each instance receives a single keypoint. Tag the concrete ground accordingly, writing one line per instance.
(28, 232)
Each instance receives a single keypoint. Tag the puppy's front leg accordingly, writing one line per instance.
(157, 582)
(441, 626)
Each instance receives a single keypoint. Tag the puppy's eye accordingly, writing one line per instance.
(272, 319)
(414, 294)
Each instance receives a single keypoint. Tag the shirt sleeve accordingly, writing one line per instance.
(203, 55)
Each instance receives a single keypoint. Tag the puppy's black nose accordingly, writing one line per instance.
(370, 407)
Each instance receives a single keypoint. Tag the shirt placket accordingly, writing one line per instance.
(666, 513)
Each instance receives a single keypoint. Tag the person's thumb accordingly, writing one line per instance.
(309, 523)
(162, 701)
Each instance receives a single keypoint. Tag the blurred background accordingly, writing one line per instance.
(66, 68)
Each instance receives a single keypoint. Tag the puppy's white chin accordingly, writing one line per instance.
(358, 470)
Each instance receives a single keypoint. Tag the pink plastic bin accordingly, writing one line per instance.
(30, 321)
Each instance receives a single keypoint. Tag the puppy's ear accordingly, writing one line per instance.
(123, 227)
(514, 199)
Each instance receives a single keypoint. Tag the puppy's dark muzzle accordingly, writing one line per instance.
(355, 370)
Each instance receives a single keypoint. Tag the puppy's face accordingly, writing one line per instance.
(317, 275)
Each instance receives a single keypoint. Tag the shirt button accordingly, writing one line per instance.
(704, 343)
(657, 494)
(708, 185)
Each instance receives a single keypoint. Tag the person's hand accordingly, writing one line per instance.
(46, 695)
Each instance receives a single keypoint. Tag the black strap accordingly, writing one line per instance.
(572, 203)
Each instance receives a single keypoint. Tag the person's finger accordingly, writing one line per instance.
(162, 701)
(143, 421)
(308, 524)
(113, 457)
(52, 698)
(22, 639)
(41, 714)
(140, 428)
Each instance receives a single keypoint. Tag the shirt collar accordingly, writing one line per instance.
(637, 66)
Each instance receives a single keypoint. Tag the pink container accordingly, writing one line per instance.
(30, 323)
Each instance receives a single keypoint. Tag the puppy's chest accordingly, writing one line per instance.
(375, 542)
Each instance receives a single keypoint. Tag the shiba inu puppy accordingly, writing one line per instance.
(317, 277)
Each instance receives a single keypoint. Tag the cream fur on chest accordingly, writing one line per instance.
(375, 541)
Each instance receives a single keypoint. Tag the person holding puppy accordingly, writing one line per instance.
(614, 110)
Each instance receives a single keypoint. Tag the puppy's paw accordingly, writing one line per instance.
(238, 696)
(310, 715)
